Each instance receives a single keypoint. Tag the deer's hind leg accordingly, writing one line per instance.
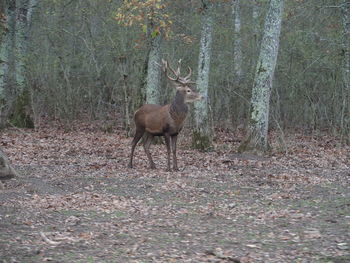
(146, 145)
(138, 135)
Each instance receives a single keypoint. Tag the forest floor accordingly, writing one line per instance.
(75, 200)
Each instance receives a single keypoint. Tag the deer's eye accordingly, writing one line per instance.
(188, 91)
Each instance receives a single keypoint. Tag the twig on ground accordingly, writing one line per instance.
(47, 240)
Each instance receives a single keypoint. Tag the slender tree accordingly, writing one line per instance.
(345, 121)
(256, 140)
(202, 137)
(255, 18)
(237, 40)
(255, 30)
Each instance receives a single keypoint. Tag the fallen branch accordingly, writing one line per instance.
(47, 240)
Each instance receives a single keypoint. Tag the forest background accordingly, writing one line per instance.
(66, 60)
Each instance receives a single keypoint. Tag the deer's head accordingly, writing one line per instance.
(182, 84)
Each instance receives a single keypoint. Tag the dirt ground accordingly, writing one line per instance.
(75, 201)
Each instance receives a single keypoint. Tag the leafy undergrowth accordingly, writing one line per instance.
(75, 201)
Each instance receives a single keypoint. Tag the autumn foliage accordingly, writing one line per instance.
(149, 15)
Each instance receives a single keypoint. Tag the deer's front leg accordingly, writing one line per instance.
(173, 146)
(168, 148)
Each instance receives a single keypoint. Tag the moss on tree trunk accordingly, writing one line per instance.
(21, 113)
(253, 144)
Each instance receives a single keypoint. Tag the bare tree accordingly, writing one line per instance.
(13, 53)
(153, 79)
(6, 56)
(237, 41)
(256, 140)
(344, 122)
(201, 138)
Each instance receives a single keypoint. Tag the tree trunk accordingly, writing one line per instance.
(256, 140)
(202, 137)
(21, 116)
(2, 19)
(237, 42)
(345, 121)
(14, 94)
(256, 24)
(256, 29)
(154, 71)
(6, 170)
(7, 58)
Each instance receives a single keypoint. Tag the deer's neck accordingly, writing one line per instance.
(178, 108)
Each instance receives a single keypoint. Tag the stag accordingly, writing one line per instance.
(155, 120)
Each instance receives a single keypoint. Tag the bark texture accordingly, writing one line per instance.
(345, 120)
(237, 41)
(256, 140)
(7, 58)
(14, 98)
(6, 170)
(201, 137)
(154, 71)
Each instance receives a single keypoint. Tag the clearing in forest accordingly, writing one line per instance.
(76, 201)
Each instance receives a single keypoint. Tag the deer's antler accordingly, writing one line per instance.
(182, 80)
